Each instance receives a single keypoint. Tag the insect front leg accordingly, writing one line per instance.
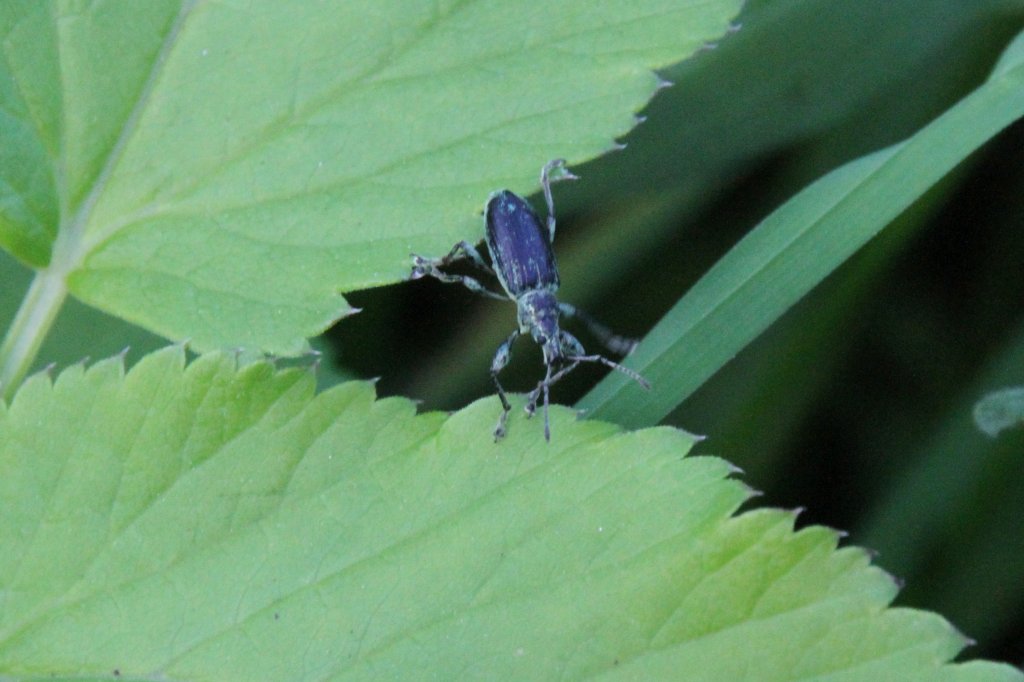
(544, 387)
(501, 358)
(635, 376)
(431, 267)
(545, 183)
(620, 345)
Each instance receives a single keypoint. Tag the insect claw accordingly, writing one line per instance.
(530, 409)
(419, 267)
(499, 430)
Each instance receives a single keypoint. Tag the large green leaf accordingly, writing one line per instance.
(218, 171)
(799, 245)
(216, 523)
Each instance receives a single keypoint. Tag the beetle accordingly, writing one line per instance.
(522, 259)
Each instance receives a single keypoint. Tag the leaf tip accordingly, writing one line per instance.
(47, 371)
(751, 493)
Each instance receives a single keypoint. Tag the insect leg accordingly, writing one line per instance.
(501, 358)
(572, 351)
(462, 250)
(545, 183)
(620, 345)
(568, 347)
(547, 419)
(431, 267)
(614, 365)
(544, 387)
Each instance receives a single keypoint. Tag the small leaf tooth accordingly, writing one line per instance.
(124, 353)
(664, 83)
(352, 311)
(839, 534)
(638, 119)
(734, 27)
(617, 146)
(752, 493)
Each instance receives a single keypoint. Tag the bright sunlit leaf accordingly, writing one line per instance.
(219, 171)
(211, 522)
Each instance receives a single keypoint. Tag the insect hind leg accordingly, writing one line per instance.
(545, 182)
(620, 345)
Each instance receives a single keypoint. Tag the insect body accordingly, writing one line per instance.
(524, 263)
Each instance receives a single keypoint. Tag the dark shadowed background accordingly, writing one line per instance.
(856, 404)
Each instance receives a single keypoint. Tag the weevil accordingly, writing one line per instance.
(523, 261)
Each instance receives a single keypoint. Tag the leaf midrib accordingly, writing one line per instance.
(70, 247)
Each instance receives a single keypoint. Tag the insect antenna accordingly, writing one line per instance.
(544, 386)
(614, 365)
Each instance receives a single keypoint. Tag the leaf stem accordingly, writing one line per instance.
(36, 315)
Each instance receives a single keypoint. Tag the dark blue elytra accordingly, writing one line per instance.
(520, 245)
(524, 263)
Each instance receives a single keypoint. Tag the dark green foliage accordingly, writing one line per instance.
(857, 403)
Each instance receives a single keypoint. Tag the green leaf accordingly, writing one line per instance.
(219, 171)
(214, 522)
(799, 245)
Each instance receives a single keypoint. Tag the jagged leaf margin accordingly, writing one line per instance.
(217, 522)
(218, 171)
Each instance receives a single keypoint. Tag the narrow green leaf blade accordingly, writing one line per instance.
(798, 246)
(220, 171)
(215, 522)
